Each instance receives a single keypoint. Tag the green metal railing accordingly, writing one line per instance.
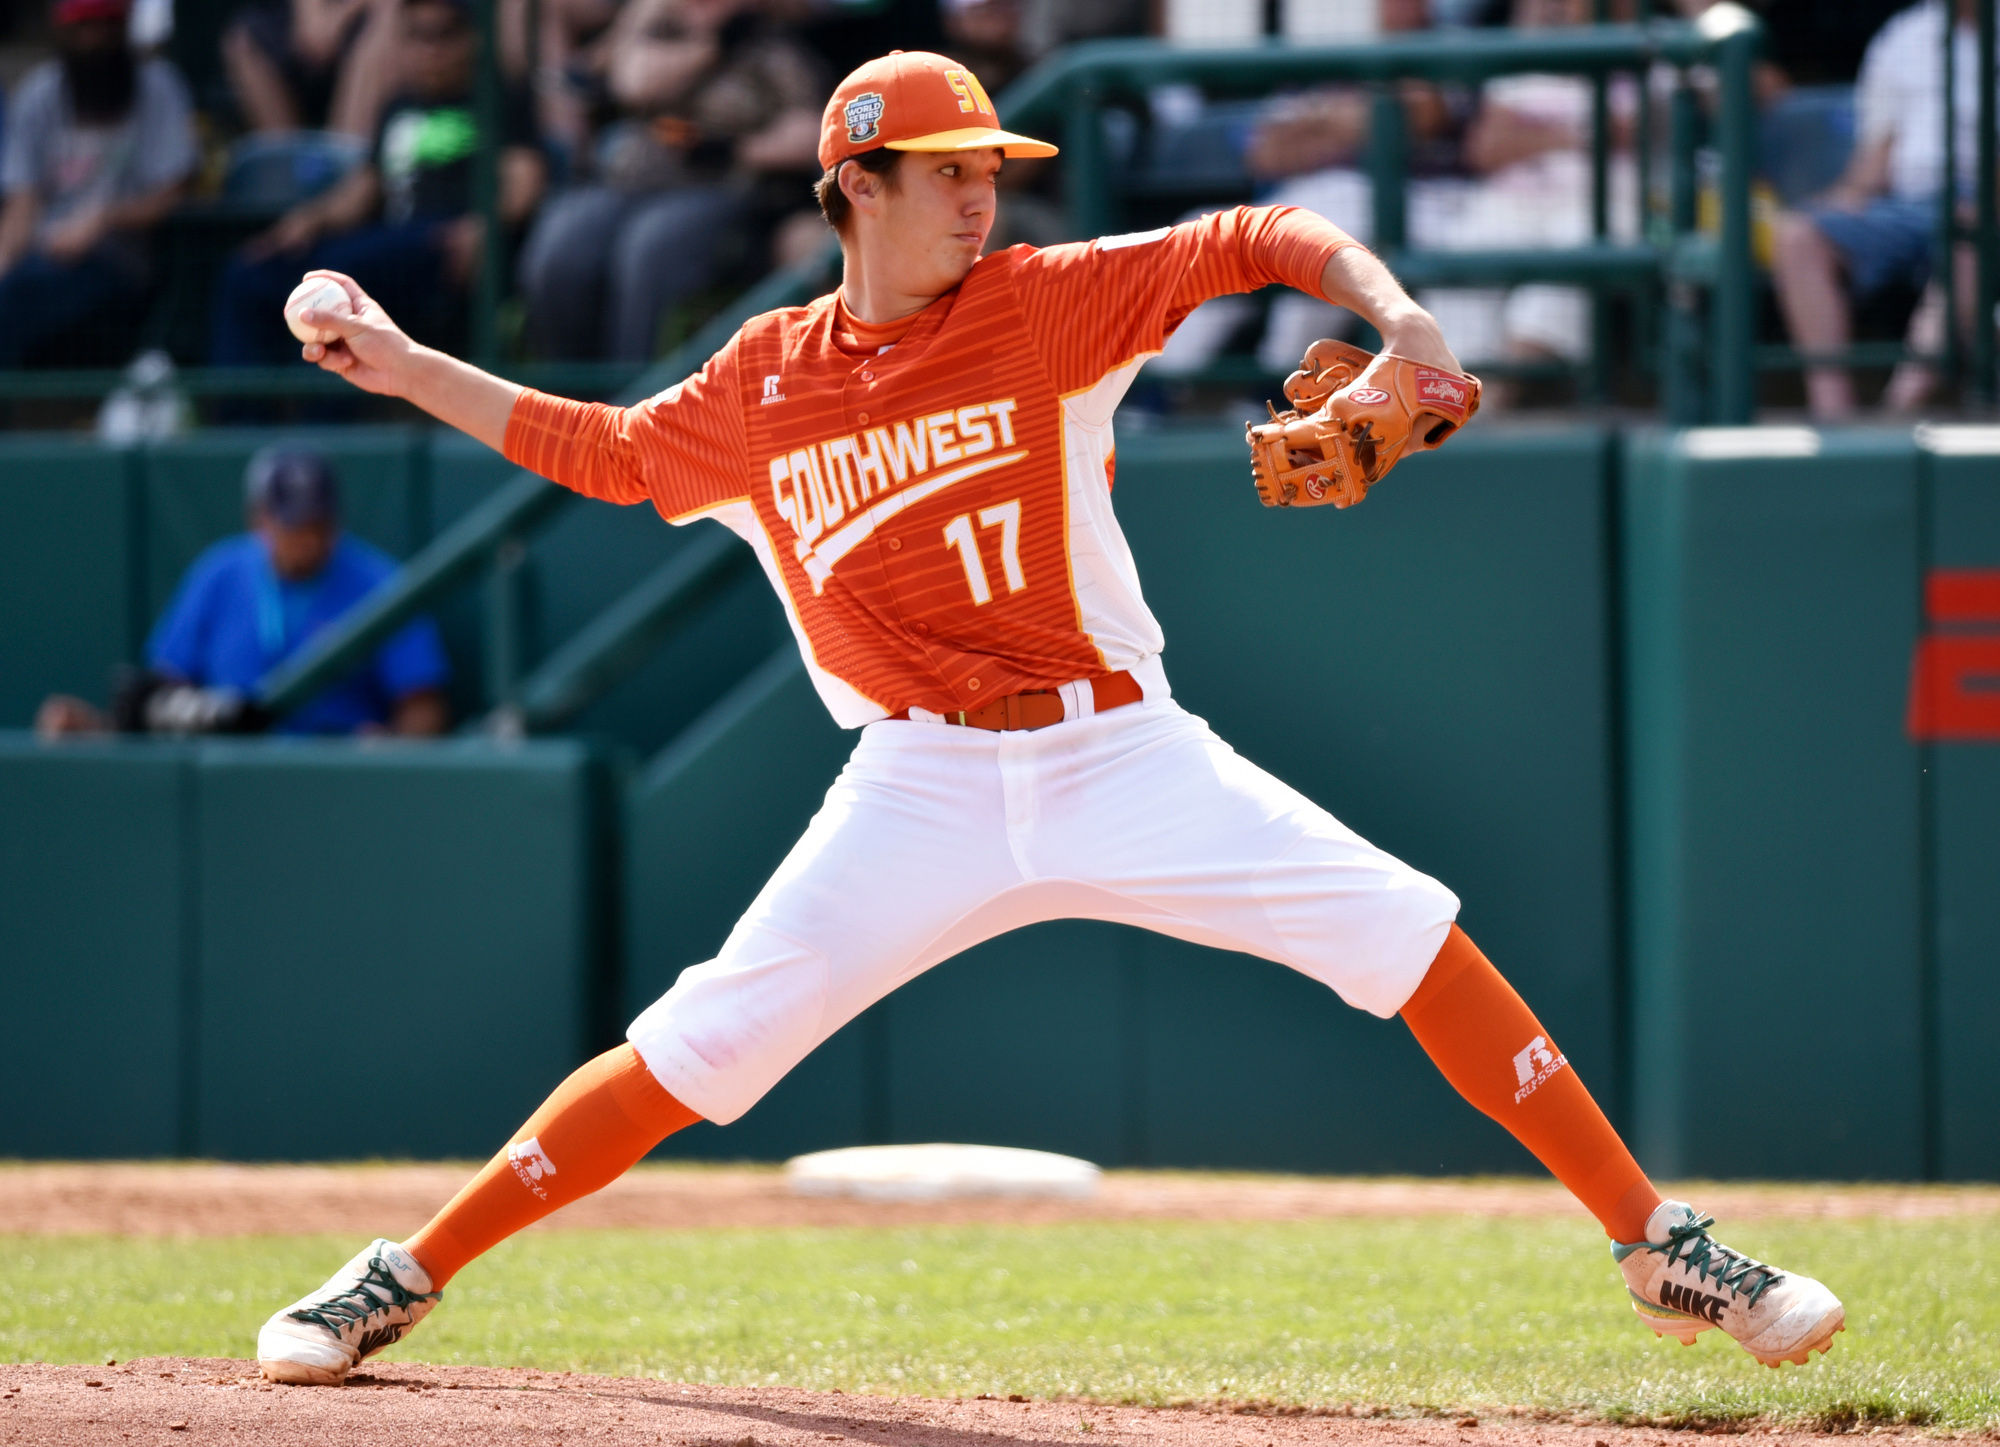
(1075, 86)
(626, 634)
(1984, 233)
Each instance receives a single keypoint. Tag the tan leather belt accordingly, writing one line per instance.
(1037, 708)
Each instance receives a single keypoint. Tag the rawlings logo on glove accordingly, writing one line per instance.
(1354, 416)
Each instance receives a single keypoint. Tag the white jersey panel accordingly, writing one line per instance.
(849, 706)
(1112, 611)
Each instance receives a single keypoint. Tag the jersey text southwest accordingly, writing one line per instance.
(823, 489)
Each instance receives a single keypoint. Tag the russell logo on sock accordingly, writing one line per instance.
(531, 1163)
(1534, 1065)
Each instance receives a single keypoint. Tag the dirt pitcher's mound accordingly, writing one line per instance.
(206, 1199)
(178, 1401)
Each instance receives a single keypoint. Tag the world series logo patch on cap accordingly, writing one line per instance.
(864, 118)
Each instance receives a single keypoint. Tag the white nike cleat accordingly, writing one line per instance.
(1683, 1281)
(370, 1303)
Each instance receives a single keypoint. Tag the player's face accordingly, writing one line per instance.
(939, 215)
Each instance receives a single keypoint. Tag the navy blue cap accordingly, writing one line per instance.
(294, 487)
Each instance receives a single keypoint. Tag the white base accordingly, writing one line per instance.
(939, 1172)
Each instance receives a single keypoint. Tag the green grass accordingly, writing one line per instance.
(1412, 1316)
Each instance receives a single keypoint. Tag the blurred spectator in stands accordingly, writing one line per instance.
(1048, 25)
(100, 142)
(1529, 146)
(1811, 42)
(721, 127)
(565, 72)
(402, 225)
(298, 65)
(1309, 149)
(1314, 145)
(1325, 130)
(252, 601)
(998, 39)
(985, 35)
(1879, 224)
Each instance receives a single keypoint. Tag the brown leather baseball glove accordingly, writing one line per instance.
(1354, 415)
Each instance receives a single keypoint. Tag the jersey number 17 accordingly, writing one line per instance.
(958, 534)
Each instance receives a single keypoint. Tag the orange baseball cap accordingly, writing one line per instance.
(912, 100)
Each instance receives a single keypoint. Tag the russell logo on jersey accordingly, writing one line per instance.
(836, 493)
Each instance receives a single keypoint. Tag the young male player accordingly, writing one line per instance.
(923, 463)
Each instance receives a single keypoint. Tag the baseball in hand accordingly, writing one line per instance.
(315, 293)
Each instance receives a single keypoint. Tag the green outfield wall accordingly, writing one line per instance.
(1777, 898)
(294, 951)
(1960, 800)
(1811, 861)
(1703, 728)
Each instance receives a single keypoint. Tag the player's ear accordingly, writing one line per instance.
(862, 187)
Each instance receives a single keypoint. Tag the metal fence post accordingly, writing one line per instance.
(1600, 216)
(1086, 171)
(505, 625)
(1388, 168)
(1683, 399)
(1732, 373)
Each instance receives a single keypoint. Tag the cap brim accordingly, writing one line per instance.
(975, 138)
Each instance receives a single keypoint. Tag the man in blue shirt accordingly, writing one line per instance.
(253, 600)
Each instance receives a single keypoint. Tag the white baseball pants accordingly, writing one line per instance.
(935, 838)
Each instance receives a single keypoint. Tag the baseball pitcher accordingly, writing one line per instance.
(923, 463)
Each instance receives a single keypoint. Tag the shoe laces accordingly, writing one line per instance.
(354, 1304)
(1690, 1243)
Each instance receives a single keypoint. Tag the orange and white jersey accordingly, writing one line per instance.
(936, 516)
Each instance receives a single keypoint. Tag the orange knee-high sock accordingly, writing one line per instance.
(594, 1128)
(1494, 1051)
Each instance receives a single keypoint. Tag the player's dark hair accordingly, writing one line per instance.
(833, 202)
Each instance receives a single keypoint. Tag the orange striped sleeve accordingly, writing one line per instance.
(682, 450)
(1096, 305)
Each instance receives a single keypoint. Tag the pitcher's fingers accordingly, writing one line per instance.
(337, 359)
(347, 323)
